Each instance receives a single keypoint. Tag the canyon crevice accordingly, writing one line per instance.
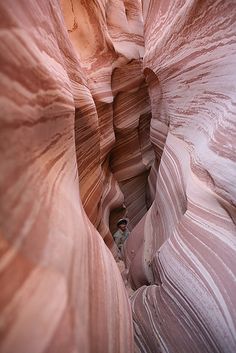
(110, 109)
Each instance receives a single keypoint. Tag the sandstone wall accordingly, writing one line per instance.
(114, 153)
(93, 94)
(61, 290)
(182, 254)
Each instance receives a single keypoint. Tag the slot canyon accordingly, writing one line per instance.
(112, 109)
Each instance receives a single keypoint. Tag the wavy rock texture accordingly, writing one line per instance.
(182, 253)
(114, 153)
(61, 290)
(78, 95)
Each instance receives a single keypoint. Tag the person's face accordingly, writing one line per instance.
(123, 227)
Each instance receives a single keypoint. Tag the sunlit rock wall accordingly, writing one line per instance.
(182, 254)
(114, 153)
(77, 101)
(61, 290)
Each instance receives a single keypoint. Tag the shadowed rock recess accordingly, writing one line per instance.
(113, 108)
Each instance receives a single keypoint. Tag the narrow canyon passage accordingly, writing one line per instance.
(111, 109)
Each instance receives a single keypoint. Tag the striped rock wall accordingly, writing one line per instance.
(78, 94)
(114, 153)
(182, 255)
(61, 85)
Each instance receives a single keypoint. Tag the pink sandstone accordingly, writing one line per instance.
(115, 108)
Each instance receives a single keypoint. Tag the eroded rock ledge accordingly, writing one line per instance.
(106, 104)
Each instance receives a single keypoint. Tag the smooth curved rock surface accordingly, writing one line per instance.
(184, 250)
(61, 290)
(108, 40)
(94, 95)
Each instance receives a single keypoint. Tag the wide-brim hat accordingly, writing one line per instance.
(122, 221)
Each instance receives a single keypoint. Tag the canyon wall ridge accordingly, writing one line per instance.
(110, 109)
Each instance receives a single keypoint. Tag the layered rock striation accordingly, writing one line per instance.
(109, 109)
(182, 254)
(61, 290)
(114, 153)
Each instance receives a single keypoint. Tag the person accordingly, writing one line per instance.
(122, 233)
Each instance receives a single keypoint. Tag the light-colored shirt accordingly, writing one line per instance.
(120, 237)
